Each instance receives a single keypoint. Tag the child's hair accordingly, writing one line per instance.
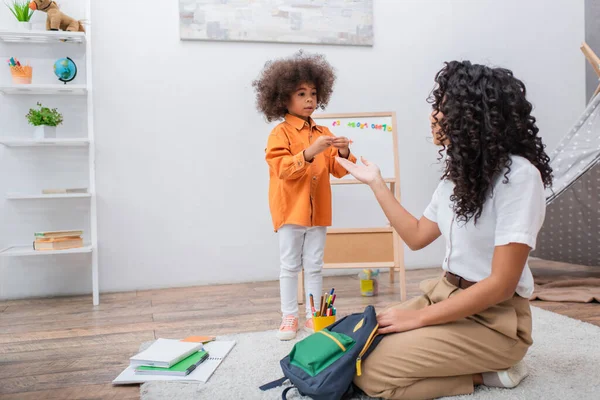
(280, 78)
(486, 117)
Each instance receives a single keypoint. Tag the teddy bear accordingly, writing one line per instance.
(56, 20)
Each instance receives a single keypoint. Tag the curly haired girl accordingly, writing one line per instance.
(473, 325)
(301, 155)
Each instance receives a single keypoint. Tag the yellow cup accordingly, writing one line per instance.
(321, 323)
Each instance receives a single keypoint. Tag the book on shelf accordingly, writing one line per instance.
(64, 191)
(63, 243)
(58, 240)
(57, 234)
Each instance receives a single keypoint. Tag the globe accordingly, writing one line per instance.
(65, 69)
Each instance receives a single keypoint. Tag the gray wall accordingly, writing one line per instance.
(592, 37)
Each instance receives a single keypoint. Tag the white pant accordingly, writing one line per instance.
(300, 246)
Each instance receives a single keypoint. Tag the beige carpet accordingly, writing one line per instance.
(563, 364)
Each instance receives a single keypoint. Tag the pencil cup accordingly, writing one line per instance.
(21, 75)
(321, 323)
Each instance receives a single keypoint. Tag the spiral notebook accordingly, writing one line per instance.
(217, 351)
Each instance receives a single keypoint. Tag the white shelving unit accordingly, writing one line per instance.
(18, 142)
(20, 196)
(46, 90)
(27, 251)
(42, 37)
(59, 39)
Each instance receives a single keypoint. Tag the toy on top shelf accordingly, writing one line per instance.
(56, 19)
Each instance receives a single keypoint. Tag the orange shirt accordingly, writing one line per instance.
(300, 191)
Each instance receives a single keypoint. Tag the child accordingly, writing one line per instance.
(301, 155)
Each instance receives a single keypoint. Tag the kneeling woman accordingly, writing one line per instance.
(473, 325)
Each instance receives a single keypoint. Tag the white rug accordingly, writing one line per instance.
(564, 363)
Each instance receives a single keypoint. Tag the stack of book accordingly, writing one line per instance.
(187, 360)
(169, 357)
(64, 191)
(57, 240)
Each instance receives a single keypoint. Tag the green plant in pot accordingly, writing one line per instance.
(20, 9)
(45, 121)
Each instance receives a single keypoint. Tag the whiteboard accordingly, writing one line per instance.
(355, 206)
(372, 137)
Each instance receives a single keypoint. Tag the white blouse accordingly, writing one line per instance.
(513, 214)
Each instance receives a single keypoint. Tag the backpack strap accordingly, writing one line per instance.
(284, 394)
(274, 384)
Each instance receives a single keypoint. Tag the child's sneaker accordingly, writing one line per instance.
(309, 325)
(288, 328)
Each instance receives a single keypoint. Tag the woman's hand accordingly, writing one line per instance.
(367, 173)
(395, 320)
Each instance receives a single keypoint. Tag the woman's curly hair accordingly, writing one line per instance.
(485, 118)
(280, 78)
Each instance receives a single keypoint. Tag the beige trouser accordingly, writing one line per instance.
(440, 360)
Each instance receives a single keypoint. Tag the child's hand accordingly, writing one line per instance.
(342, 143)
(320, 145)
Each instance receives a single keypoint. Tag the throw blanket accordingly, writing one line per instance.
(579, 290)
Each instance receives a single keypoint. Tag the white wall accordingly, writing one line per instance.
(181, 177)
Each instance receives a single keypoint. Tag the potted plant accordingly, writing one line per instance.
(20, 9)
(45, 121)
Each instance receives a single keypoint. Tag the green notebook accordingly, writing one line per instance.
(182, 368)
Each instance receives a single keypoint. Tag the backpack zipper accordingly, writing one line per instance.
(334, 339)
(364, 350)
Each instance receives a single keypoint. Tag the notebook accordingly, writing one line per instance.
(182, 368)
(164, 353)
(217, 351)
(199, 339)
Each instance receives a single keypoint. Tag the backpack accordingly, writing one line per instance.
(323, 365)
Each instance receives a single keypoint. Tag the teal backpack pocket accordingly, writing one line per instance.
(319, 350)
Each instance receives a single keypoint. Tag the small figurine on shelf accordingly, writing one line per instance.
(56, 19)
